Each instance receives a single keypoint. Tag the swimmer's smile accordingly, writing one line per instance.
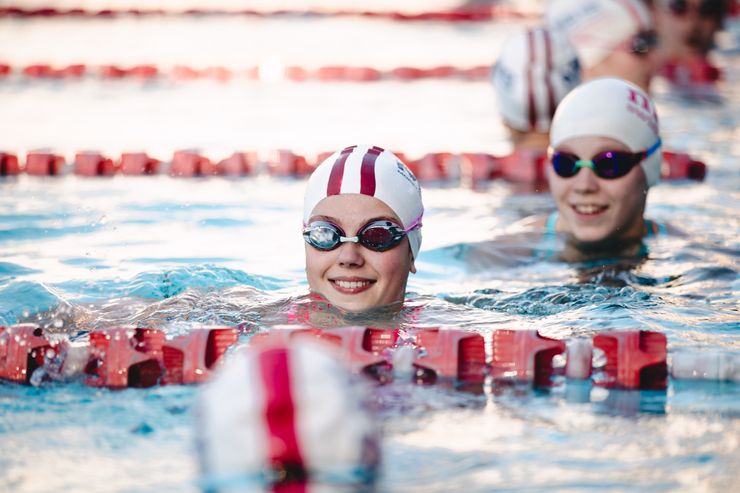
(351, 285)
(589, 211)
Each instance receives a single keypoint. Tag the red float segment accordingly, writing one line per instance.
(94, 164)
(635, 359)
(5, 69)
(191, 358)
(524, 166)
(143, 71)
(9, 164)
(190, 163)
(41, 163)
(524, 355)
(239, 164)
(125, 357)
(281, 334)
(298, 74)
(360, 347)
(478, 72)
(452, 354)
(409, 73)
(430, 167)
(138, 163)
(23, 349)
(285, 163)
(476, 167)
(112, 72)
(681, 166)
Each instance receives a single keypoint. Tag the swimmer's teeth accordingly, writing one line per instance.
(588, 209)
(352, 284)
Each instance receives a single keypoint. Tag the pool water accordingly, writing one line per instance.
(78, 253)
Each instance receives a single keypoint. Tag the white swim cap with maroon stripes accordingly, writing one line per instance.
(372, 171)
(597, 27)
(614, 108)
(284, 409)
(534, 71)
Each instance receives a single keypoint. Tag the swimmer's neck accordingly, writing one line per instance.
(376, 312)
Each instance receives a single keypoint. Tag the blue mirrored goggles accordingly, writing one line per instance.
(377, 236)
(608, 165)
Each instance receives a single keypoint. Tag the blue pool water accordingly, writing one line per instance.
(82, 253)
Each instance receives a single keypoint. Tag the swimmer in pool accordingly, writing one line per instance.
(605, 154)
(535, 70)
(687, 30)
(362, 228)
(613, 38)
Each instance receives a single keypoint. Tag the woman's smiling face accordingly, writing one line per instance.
(594, 209)
(351, 276)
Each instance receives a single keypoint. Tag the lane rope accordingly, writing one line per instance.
(467, 168)
(326, 73)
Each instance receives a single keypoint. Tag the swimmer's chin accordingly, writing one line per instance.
(351, 312)
(609, 248)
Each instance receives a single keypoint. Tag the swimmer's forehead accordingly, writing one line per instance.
(352, 208)
(593, 141)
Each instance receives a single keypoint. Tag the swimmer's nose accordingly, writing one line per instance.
(350, 255)
(585, 181)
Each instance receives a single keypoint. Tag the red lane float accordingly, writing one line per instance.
(635, 359)
(238, 164)
(41, 163)
(451, 354)
(190, 164)
(681, 166)
(191, 358)
(361, 347)
(9, 164)
(94, 164)
(524, 356)
(23, 349)
(138, 163)
(123, 357)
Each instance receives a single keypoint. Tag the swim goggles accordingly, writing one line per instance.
(643, 42)
(608, 165)
(708, 9)
(377, 236)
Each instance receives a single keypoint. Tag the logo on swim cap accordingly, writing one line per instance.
(640, 105)
(406, 173)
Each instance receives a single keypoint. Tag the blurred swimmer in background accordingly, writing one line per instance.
(687, 30)
(534, 71)
(613, 38)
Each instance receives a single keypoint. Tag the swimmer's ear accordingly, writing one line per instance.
(412, 268)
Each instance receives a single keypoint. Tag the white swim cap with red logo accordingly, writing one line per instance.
(372, 171)
(534, 71)
(597, 27)
(614, 108)
(282, 411)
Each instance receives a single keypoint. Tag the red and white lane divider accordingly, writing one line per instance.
(328, 73)
(522, 166)
(141, 357)
(469, 14)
